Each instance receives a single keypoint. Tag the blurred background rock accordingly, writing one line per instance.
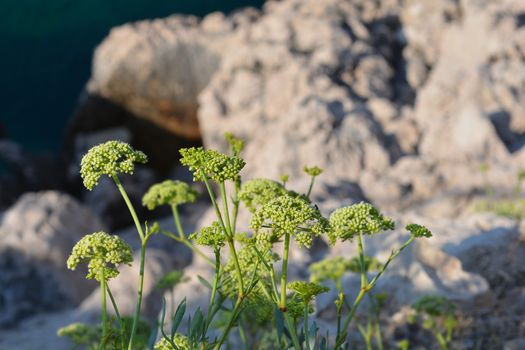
(415, 105)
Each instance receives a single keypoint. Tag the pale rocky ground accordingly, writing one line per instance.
(402, 102)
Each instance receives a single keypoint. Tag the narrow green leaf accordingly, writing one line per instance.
(177, 318)
(204, 282)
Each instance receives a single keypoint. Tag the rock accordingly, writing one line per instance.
(38, 233)
(156, 69)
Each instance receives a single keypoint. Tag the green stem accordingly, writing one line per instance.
(214, 288)
(104, 313)
(361, 251)
(293, 332)
(235, 312)
(130, 206)
(236, 204)
(215, 205)
(284, 272)
(311, 187)
(138, 305)
(305, 326)
(119, 318)
(225, 208)
(240, 283)
(441, 340)
(178, 225)
(342, 336)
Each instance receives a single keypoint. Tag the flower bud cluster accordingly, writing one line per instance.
(181, 342)
(236, 144)
(361, 218)
(419, 230)
(110, 158)
(169, 192)
(257, 192)
(288, 214)
(103, 252)
(210, 236)
(307, 290)
(313, 171)
(211, 164)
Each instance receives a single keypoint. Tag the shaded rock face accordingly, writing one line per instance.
(37, 235)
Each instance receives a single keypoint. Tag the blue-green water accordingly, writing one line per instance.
(45, 56)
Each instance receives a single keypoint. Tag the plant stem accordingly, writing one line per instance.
(104, 313)
(235, 201)
(361, 251)
(214, 288)
(138, 305)
(240, 283)
(305, 327)
(235, 312)
(176, 219)
(215, 205)
(310, 187)
(225, 208)
(130, 206)
(284, 272)
(293, 332)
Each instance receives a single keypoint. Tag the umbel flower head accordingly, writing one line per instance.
(236, 144)
(313, 171)
(169, 192)
(307, 290)
(181, 342)
(211, 164)
(257, 192)
(288, 214)
(210, 236)
(110, 158)
(419, 230)
(103, 252)
(361, 218)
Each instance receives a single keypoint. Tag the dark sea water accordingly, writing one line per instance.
(45, 56)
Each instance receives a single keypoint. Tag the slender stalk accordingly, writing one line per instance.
(104, 314)
(310, 187)
(340, 340)
(293, 331)
(441, 340)
(225, 208)
(240, 283)
(235, 201)
(235, 312)
(361, 251)
(130, 206)
(214, 288)
(305, 326)
(176, 219)
(284, 272)
(117, 313)
(138, 305)
(215, 205)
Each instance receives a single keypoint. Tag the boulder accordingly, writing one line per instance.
(37, 235)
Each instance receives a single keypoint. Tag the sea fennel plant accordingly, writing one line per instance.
(250, 293)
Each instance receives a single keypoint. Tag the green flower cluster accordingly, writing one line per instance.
(210, 236)
(257, 192)
(307, 290)
(313, 171)
(329, 269)
(169, 192)
(288, 214)
(110, 158)
(80, 333)
(361, 218)
(236, 144)
(103, 252)
(211, 164)
(419, 230)
(181, 342)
